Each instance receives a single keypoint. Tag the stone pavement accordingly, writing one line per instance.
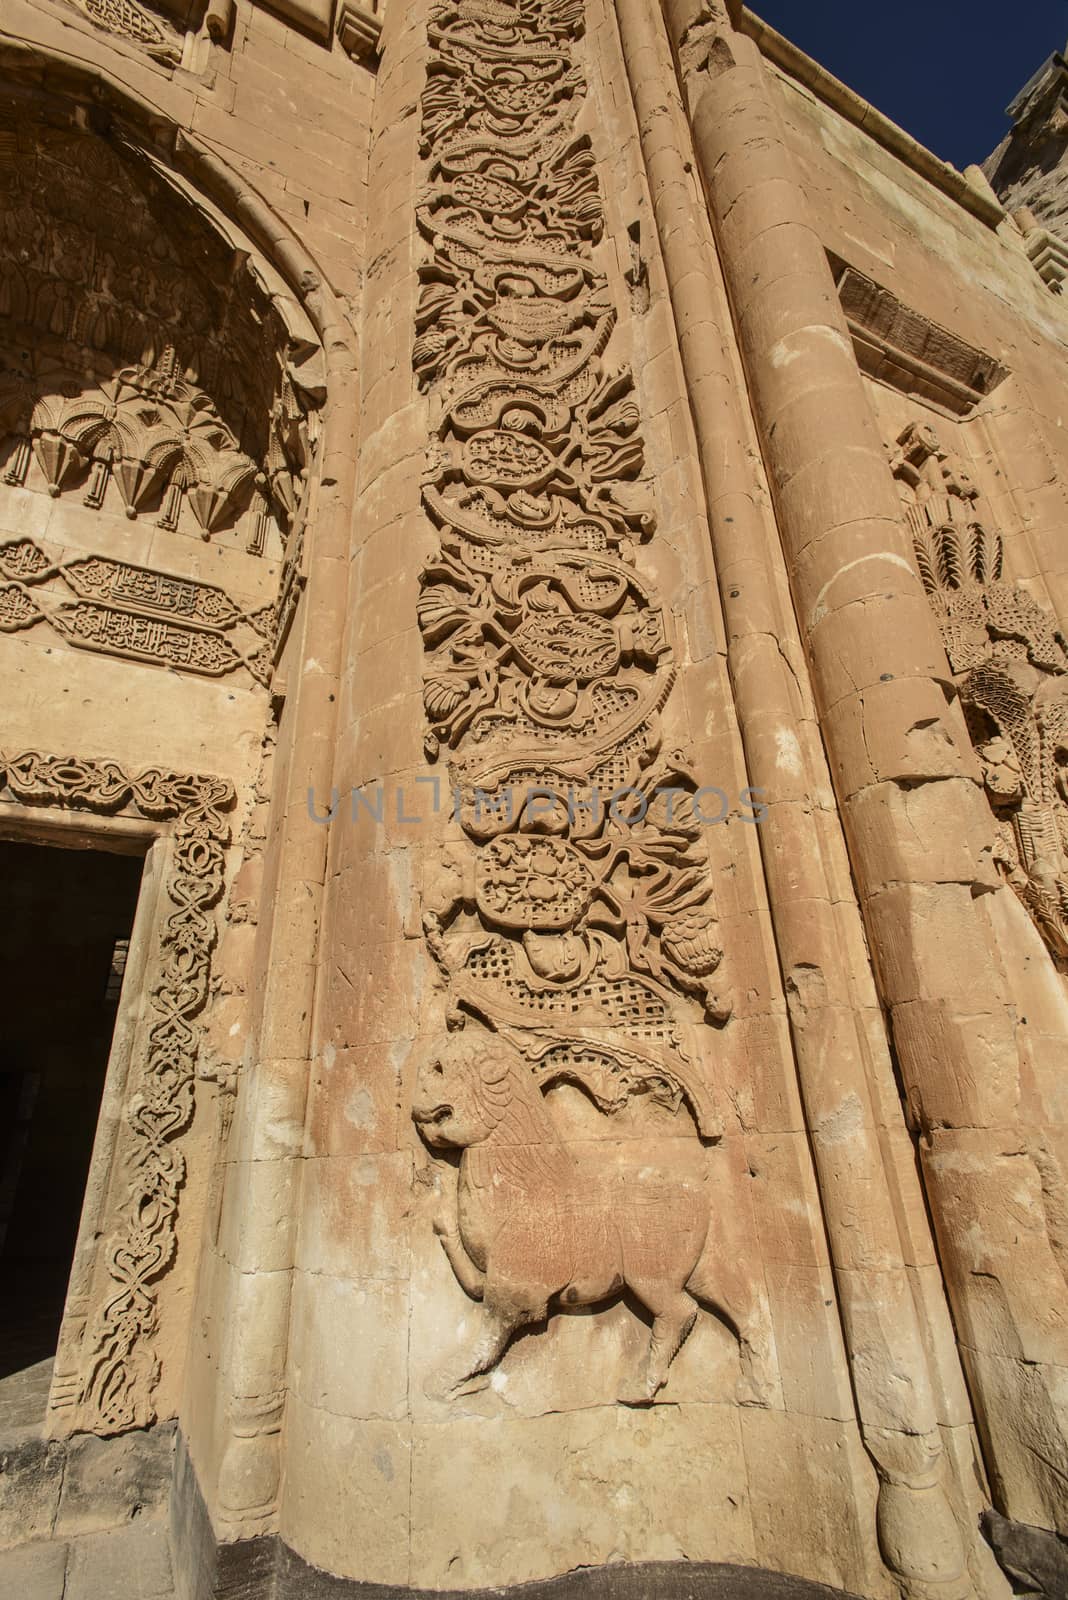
(127, 1563)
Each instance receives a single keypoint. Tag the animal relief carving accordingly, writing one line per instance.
(544, 1224)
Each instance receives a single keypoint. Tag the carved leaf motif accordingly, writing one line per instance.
(1011, 668)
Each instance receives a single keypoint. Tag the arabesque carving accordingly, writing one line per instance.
(575, 918)
(110, 1374)
(1010, 665)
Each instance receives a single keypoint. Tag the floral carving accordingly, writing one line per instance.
(117, 1365)
(1010, 665)
(575, 918)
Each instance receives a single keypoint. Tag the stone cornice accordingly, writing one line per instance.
(832, 92)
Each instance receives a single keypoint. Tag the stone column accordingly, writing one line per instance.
(258, 1223)
(834, 1015)
(346, 1504)
(919, 830)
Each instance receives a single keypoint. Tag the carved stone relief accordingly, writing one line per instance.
(106, 1367)
(151, 434)
(101, 255)
(139, 24)
(573, 924)
(163, 29)
(1010, 664)
(134, 612)
(144, 368)
(542, 1222)
(902, 348)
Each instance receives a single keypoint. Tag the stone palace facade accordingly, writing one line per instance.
(533, 813)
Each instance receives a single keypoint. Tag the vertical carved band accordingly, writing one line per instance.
(117, 1367)
(1010, 666)
(575, 917)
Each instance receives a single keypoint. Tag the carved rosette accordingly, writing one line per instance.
(116, 1368)
(1010, 665)
(575, 917)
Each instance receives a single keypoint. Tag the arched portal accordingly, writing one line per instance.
(161, 397)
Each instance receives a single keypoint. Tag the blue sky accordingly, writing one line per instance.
(943, 69)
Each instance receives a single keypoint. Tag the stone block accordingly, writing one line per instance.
(35, 1571)
(31, 1476)
(510, 1501)
(133, 1561)
(111, 1482)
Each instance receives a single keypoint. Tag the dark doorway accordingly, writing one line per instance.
(65, 929)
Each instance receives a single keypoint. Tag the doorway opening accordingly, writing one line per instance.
(64, 935)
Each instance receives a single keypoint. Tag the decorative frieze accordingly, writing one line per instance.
(900, 347)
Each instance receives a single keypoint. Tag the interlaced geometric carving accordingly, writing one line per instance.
(137, 23)
(118, 1367)
(1010, 664)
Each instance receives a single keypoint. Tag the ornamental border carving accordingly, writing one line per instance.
(110, 1385)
